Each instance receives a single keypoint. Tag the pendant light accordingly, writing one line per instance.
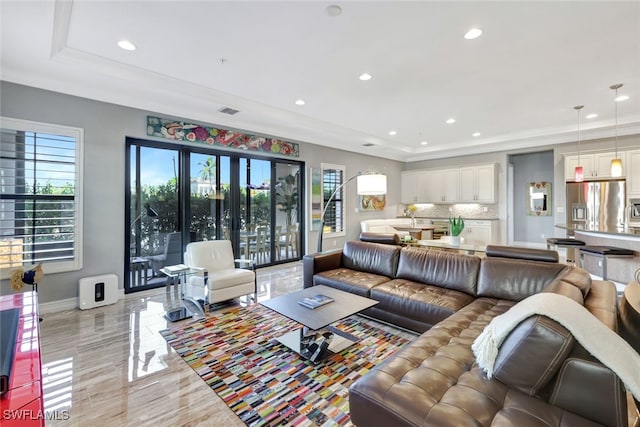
(616, 163)
(579, 175)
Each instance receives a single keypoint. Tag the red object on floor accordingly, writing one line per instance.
(23, 404)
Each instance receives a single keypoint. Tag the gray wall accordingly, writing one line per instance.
(105, 128)
(527, 168)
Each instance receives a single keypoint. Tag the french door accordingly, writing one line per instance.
(179, 194)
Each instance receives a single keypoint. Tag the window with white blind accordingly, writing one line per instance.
(41, 196)
(334, 217)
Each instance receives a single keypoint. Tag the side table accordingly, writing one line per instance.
(175, 307)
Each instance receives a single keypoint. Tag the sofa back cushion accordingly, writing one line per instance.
(532, 354)
(514, 279)
(444, 269)
(371, 257)
(576, 277)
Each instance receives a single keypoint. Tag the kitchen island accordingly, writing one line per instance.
(620, 270)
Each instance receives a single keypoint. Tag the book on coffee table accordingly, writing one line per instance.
(315, 301)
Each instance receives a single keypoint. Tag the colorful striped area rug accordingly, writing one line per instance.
(265, 383)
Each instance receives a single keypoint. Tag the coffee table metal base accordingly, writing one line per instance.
(308, 343)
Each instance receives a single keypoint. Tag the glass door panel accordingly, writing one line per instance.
(205, 196)
(255, 182)
(287, 215)
(155, 238)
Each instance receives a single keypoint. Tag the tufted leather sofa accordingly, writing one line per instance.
(542, 376)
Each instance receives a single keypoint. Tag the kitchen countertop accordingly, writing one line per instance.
(618, 231)
(422, 218)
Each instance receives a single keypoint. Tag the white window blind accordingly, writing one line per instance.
(40, 189)
(332, 178)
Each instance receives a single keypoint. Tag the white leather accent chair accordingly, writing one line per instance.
(224, 280)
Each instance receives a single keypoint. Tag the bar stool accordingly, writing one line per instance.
(562, 242)
(604, 252)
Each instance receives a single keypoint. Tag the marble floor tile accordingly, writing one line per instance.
(110, 366)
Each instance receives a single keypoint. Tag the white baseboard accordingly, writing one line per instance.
(66, 304)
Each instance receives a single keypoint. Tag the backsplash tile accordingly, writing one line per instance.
(465, 210)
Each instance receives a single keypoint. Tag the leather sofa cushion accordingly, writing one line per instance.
(532, 354)
(513, 279)
(576, 277)
(522, 253)
(444, 269)
(386, 238)
(356, 282)
(429, 304)
(371, 257)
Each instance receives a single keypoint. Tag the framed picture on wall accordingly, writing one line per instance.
(373, 203)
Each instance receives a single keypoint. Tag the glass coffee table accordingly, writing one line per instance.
(179, 306)
(317, 337)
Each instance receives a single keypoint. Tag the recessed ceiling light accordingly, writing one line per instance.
(473, 33)
(392, 132)
(424, 143)
(451, 120)
(476, 134)
(621, 98)
(365, 77)
(126, 45)
(300, 102)
(591, 116)
(334, 10)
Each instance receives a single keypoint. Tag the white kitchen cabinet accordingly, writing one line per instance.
(594, 166)
(478, 184)
(633, 173)
(479, 232)
(414, 187)
(442, 186)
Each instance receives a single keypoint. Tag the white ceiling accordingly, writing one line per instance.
(516, 85)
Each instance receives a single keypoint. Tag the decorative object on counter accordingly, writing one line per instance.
(30, 277)
(579, 174)
(411, 210)
(539, 195)
(616, 164)
(456, 226)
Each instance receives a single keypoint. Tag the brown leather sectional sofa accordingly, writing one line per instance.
(542, 376)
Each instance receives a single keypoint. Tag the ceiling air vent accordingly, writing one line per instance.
(227, 110)
(368, 144)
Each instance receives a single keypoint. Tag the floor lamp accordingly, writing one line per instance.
(367, 185)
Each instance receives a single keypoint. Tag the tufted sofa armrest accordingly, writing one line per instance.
(574, 388)
(319, 262)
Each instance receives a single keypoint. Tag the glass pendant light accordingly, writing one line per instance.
(579, 175)
(616, 163)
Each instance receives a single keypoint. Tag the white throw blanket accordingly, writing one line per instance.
(600, 341)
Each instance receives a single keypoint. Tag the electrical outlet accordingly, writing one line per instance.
(486, 209)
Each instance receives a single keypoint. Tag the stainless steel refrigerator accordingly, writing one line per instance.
(596, 205)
